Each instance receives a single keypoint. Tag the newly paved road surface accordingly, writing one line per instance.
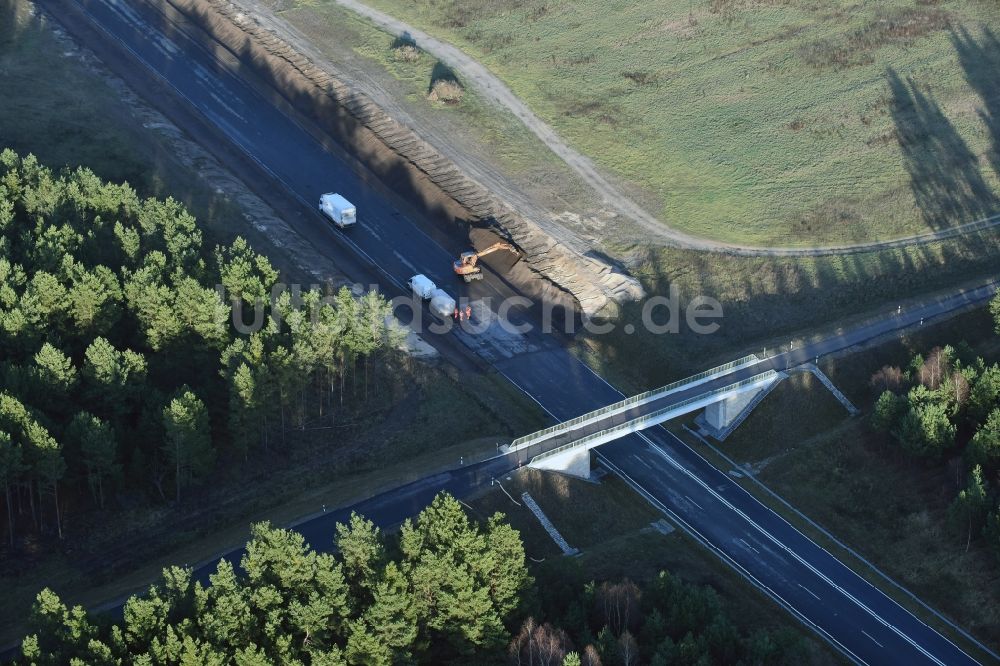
(823, 593)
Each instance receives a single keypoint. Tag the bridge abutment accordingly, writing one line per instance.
(574, 462)
(720, 415)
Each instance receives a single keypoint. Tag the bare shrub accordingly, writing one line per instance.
(590, 657)
(628, 649)
(618, 603)
(639, 77)
(959, 388)
(406, 53)
(446, 91)
(888, 378)
(729, 9)
(936, 369)
(539, 645)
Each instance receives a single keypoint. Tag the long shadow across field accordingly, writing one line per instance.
(8, 20)
(945, 175)
(980, 58)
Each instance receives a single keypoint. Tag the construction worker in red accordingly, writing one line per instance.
(455, 315)
(468, 313)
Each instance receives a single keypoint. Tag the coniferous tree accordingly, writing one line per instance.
(984, 448)
(96, 443)
(201, 312)
(94, 300)
(971, 505)
(245, 274)
(449, 563)
(11, 467)
(113, 378)
(387, 629)
(889, 408)
(188, 445)
(55, 370)
(42, 455)
(363, 554)
(985, 394)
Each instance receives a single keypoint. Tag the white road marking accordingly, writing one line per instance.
(690, 529)
(648, 466)
(814, 595)
(872, 639)
(693, 502)
(749, 546)
(854, 599)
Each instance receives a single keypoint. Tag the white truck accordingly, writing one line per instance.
(442, 304)
(340, 211)
(422, 286)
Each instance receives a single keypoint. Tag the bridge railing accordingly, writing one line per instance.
(632, 401)
(658, 414)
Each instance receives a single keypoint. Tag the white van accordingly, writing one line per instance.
(340, 211)
(422, 286)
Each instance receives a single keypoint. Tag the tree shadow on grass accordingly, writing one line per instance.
(405, 39)
(980, 58)
(944, 173)
(442, 72)
(8, 20)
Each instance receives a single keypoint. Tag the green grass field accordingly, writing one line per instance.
(475, 127)
(761, 122)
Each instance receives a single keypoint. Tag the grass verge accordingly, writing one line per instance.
(768, 301)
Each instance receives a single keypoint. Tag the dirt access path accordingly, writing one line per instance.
(474, 73)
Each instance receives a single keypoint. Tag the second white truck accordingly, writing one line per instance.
(442, 304)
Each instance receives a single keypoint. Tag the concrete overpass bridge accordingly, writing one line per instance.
(727, 394)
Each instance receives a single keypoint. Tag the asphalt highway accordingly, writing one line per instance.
(857, 618)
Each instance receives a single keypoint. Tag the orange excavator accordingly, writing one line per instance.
(467, 264)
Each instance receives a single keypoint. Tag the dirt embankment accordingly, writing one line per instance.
(404, 161)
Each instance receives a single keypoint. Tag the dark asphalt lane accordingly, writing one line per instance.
(797, 573)
(849, 612)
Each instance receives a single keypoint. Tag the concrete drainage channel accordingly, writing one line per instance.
(551, 269)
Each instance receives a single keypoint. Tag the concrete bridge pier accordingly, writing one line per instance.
(720, 415)
(574, 462)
